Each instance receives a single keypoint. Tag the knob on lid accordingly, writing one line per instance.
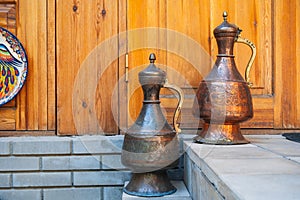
(152, 74)
(226, 29)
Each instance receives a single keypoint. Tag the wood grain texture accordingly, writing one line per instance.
(123, 49)
(7, 111)
(187, 21)
(144, 18)
(32, 113)
(287, 62)
(54, 25)
(8, 16)
(254, 17)
(7, 119)
(188, 57)
(8, 1)
(278, 62)
(81, 26)
(51, 65)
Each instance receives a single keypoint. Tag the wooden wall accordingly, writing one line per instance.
(48, 27)
(186, 67)
(86, 78)
(287, 63)
(35, 105)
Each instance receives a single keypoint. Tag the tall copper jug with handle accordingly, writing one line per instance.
(223, 99)
(151, 145)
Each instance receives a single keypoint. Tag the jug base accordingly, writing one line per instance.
(220, 134)
(150, 184)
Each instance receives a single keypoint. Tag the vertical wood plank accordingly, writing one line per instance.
(80, 66)
(34, 37)
(51, 67)
(197, 20)
(8, 110)
(123, 48)
(72, 30)
(106, 103)
(289, 67)
(297, 86)
(41, 69)
(191, 19)
(21, 111)
(279, 11)
(144, 37)
(255, 19)
(188, 56)
(287, 19)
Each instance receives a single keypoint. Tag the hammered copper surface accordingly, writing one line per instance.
(152, 184)
(151, 145)
(223, 99)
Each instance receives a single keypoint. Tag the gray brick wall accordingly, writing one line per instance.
(20, 194)
(73, 194)
(4, 147)
(5, 180)
(40, 179)
(66, 168)
(19, 164)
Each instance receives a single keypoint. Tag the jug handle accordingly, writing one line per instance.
(239, 39)
(179, 105)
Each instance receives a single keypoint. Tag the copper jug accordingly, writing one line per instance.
(223, 99)
(151, 145)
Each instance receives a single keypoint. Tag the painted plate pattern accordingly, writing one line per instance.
(13, 66)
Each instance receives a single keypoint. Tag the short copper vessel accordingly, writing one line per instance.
(223, 99)
(151, 145)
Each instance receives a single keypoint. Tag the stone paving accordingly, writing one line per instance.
(268, 168)
(89, 167)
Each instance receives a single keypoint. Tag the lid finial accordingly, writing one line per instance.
(225, 15)
(152, 58)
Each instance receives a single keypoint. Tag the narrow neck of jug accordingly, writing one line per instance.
(151, 93)
(225, 46)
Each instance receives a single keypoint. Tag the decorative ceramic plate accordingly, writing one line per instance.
(13, 66)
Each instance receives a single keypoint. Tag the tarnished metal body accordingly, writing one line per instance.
(151, 145)
(223, 98)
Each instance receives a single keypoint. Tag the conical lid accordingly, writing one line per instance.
(226, 29)
(152, 74)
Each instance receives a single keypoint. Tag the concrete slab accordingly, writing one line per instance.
(180, 194)
(281, 147)
(262, 187)
(268, 168)
(233, 151)
(253, 166)
(297, 159)
(264, 137)
(227, 152)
